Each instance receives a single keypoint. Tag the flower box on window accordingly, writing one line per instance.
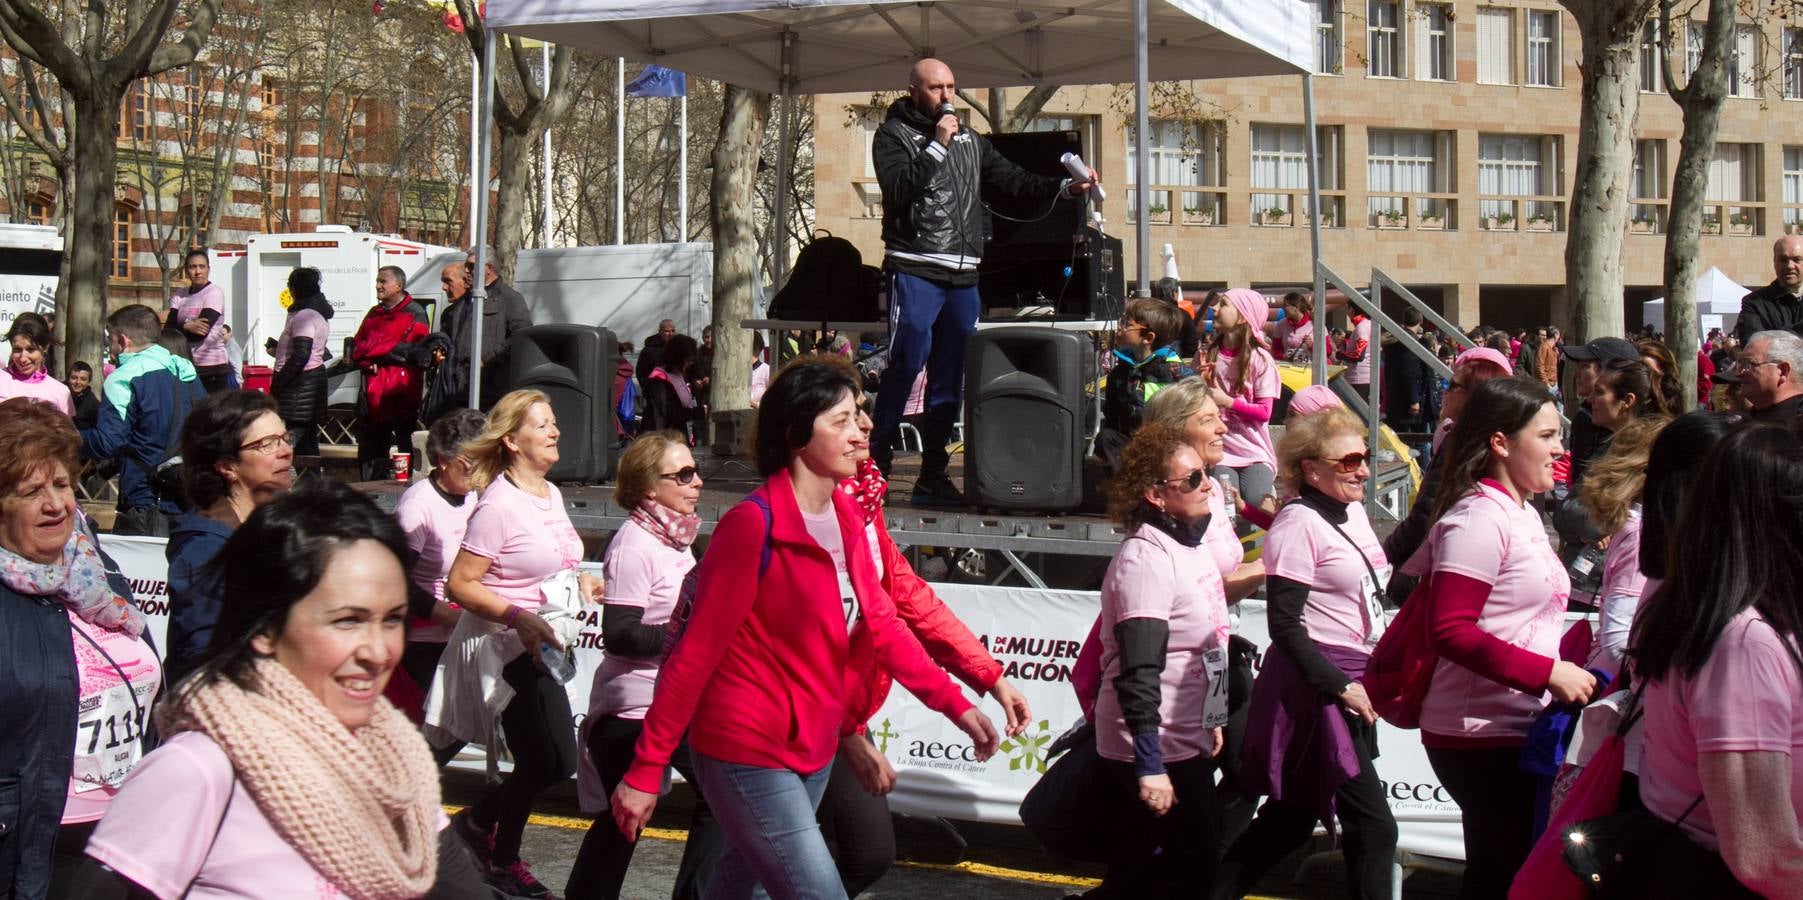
(1276, 215)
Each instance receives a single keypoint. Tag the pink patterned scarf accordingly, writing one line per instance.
(674, 529)
(78, 580)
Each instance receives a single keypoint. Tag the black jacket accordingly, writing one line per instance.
(503, 315)
(1406, 378)
(300, 392)
(932, 194)
(1767, 309)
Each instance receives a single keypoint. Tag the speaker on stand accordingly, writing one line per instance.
(1024, 415)
(573, 366)
(1047, 257)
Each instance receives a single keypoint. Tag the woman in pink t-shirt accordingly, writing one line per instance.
(24, 375)
(1312, 730)
(1245, 387)
(1164, 656)
(1718, 645)
(1611, 494)
(197, 310)
(518, 536)
(1296, 333)
(299, 382)
(649, 567)
(1498, 596)
(283, 773)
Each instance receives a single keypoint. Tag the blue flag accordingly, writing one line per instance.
(657, 81)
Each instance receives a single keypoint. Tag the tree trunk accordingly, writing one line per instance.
(512, 195)
(743, 116)
(89, 240)
(1701, 101)
(1599, 200)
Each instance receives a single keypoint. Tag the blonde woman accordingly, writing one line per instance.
(1311, 731)
(519, 536)
(1611, 494)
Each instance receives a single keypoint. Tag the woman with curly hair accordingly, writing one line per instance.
(1611, 494)
(1164, 650)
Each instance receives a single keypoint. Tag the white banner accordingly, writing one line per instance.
(1036, 635)
(26, 293)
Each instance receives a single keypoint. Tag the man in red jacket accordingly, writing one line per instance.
(391, 385)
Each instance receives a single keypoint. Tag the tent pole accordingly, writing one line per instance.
(785, 134)
(1318, 358)
(682, 167)
(1142, 151)
(479, 285)
(545, 57)
(619, 149)
(475, 146)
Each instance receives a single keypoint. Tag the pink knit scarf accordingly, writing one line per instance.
(361, 808)
(674, 529)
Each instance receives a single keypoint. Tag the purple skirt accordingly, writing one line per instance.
(1299, 746)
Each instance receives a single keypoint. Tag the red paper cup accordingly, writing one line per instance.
(403, 465)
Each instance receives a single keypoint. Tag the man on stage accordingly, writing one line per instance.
(932, 171)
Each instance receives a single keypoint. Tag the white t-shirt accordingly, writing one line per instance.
(435, 529)
(824, 529)
(646, 573)
(1490, 537)
(1344, 607)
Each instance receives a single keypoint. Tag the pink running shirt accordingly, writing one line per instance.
(434, 530)
(525, 538)
(1304, 548)
(647, 573)
(1248, 441)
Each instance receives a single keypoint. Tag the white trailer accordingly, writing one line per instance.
(30, 262)
(625, 288)
(254, 278)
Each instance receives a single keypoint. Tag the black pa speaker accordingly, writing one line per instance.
(1023, 419)
(1082, 280)
(573, 365)
(1034, 227)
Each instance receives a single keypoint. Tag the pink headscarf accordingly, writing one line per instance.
(1485, 355)
(1252, 307)
(1313, 399)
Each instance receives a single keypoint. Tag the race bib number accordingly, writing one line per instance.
(1372, 593)
(848, 599)
(109, 728)
(1214, 709)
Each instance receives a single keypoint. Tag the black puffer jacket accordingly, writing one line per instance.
(932, 203)
(300, 392)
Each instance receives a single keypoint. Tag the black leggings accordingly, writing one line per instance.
(1180, 853)
(542, 738)
(855, 823)
(1497, 801)
(600, 867)
(1368, 834)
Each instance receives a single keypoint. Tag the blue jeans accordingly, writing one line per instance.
(768, 815)
(930, 324)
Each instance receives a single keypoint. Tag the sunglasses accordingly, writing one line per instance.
(684, 475)
(1348, 464)
(1187, 483)
(270, 443)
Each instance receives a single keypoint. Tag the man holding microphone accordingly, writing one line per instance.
(932, 171)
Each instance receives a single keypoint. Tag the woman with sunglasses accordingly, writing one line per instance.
(1497, 595)
(758, 676)
(1312, 733)
(1164, 649)
(237, 455)
(647, 568)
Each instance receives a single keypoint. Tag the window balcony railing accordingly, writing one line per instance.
(1736, 218)
(1279, 209)
(1532, 214)
(869, 198)
(1418, 212)
(1180, 204)
(1648, 216)
(1793, 219)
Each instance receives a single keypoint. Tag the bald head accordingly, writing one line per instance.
(930, 83)
(1787, 261)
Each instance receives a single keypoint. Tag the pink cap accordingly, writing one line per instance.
(1313, 399)
(1485, 355)
(1252, 306)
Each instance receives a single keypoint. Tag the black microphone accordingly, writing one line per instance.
(946, 109)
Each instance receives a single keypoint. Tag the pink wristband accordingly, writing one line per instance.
(513, 612)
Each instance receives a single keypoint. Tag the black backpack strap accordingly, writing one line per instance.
(763, 503)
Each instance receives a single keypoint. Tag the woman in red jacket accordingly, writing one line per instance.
(758, 678)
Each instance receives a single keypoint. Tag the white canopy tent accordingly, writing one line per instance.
(1716, 293)
(829, 46)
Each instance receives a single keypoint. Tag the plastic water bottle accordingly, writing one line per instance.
(559, 664)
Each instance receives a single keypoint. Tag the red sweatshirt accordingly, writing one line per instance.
(380, 349)
(759, 677)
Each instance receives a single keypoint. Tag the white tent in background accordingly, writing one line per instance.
(1717, 296)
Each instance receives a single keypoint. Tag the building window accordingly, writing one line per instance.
(1793, 63)
(1649, 170)
(1407, 162)
(1384, 41)
(1652, 60)
(37, 212)
(1793, 186)
(1327, 37)
(1495, 50)
(1743, 77)
(1543, 49)
(1693, 47)
(1734, 173)
(134, 113)
(1280, 163)
(1516, 165)
(1180, 154)
(1433, 42)
(121, 262)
